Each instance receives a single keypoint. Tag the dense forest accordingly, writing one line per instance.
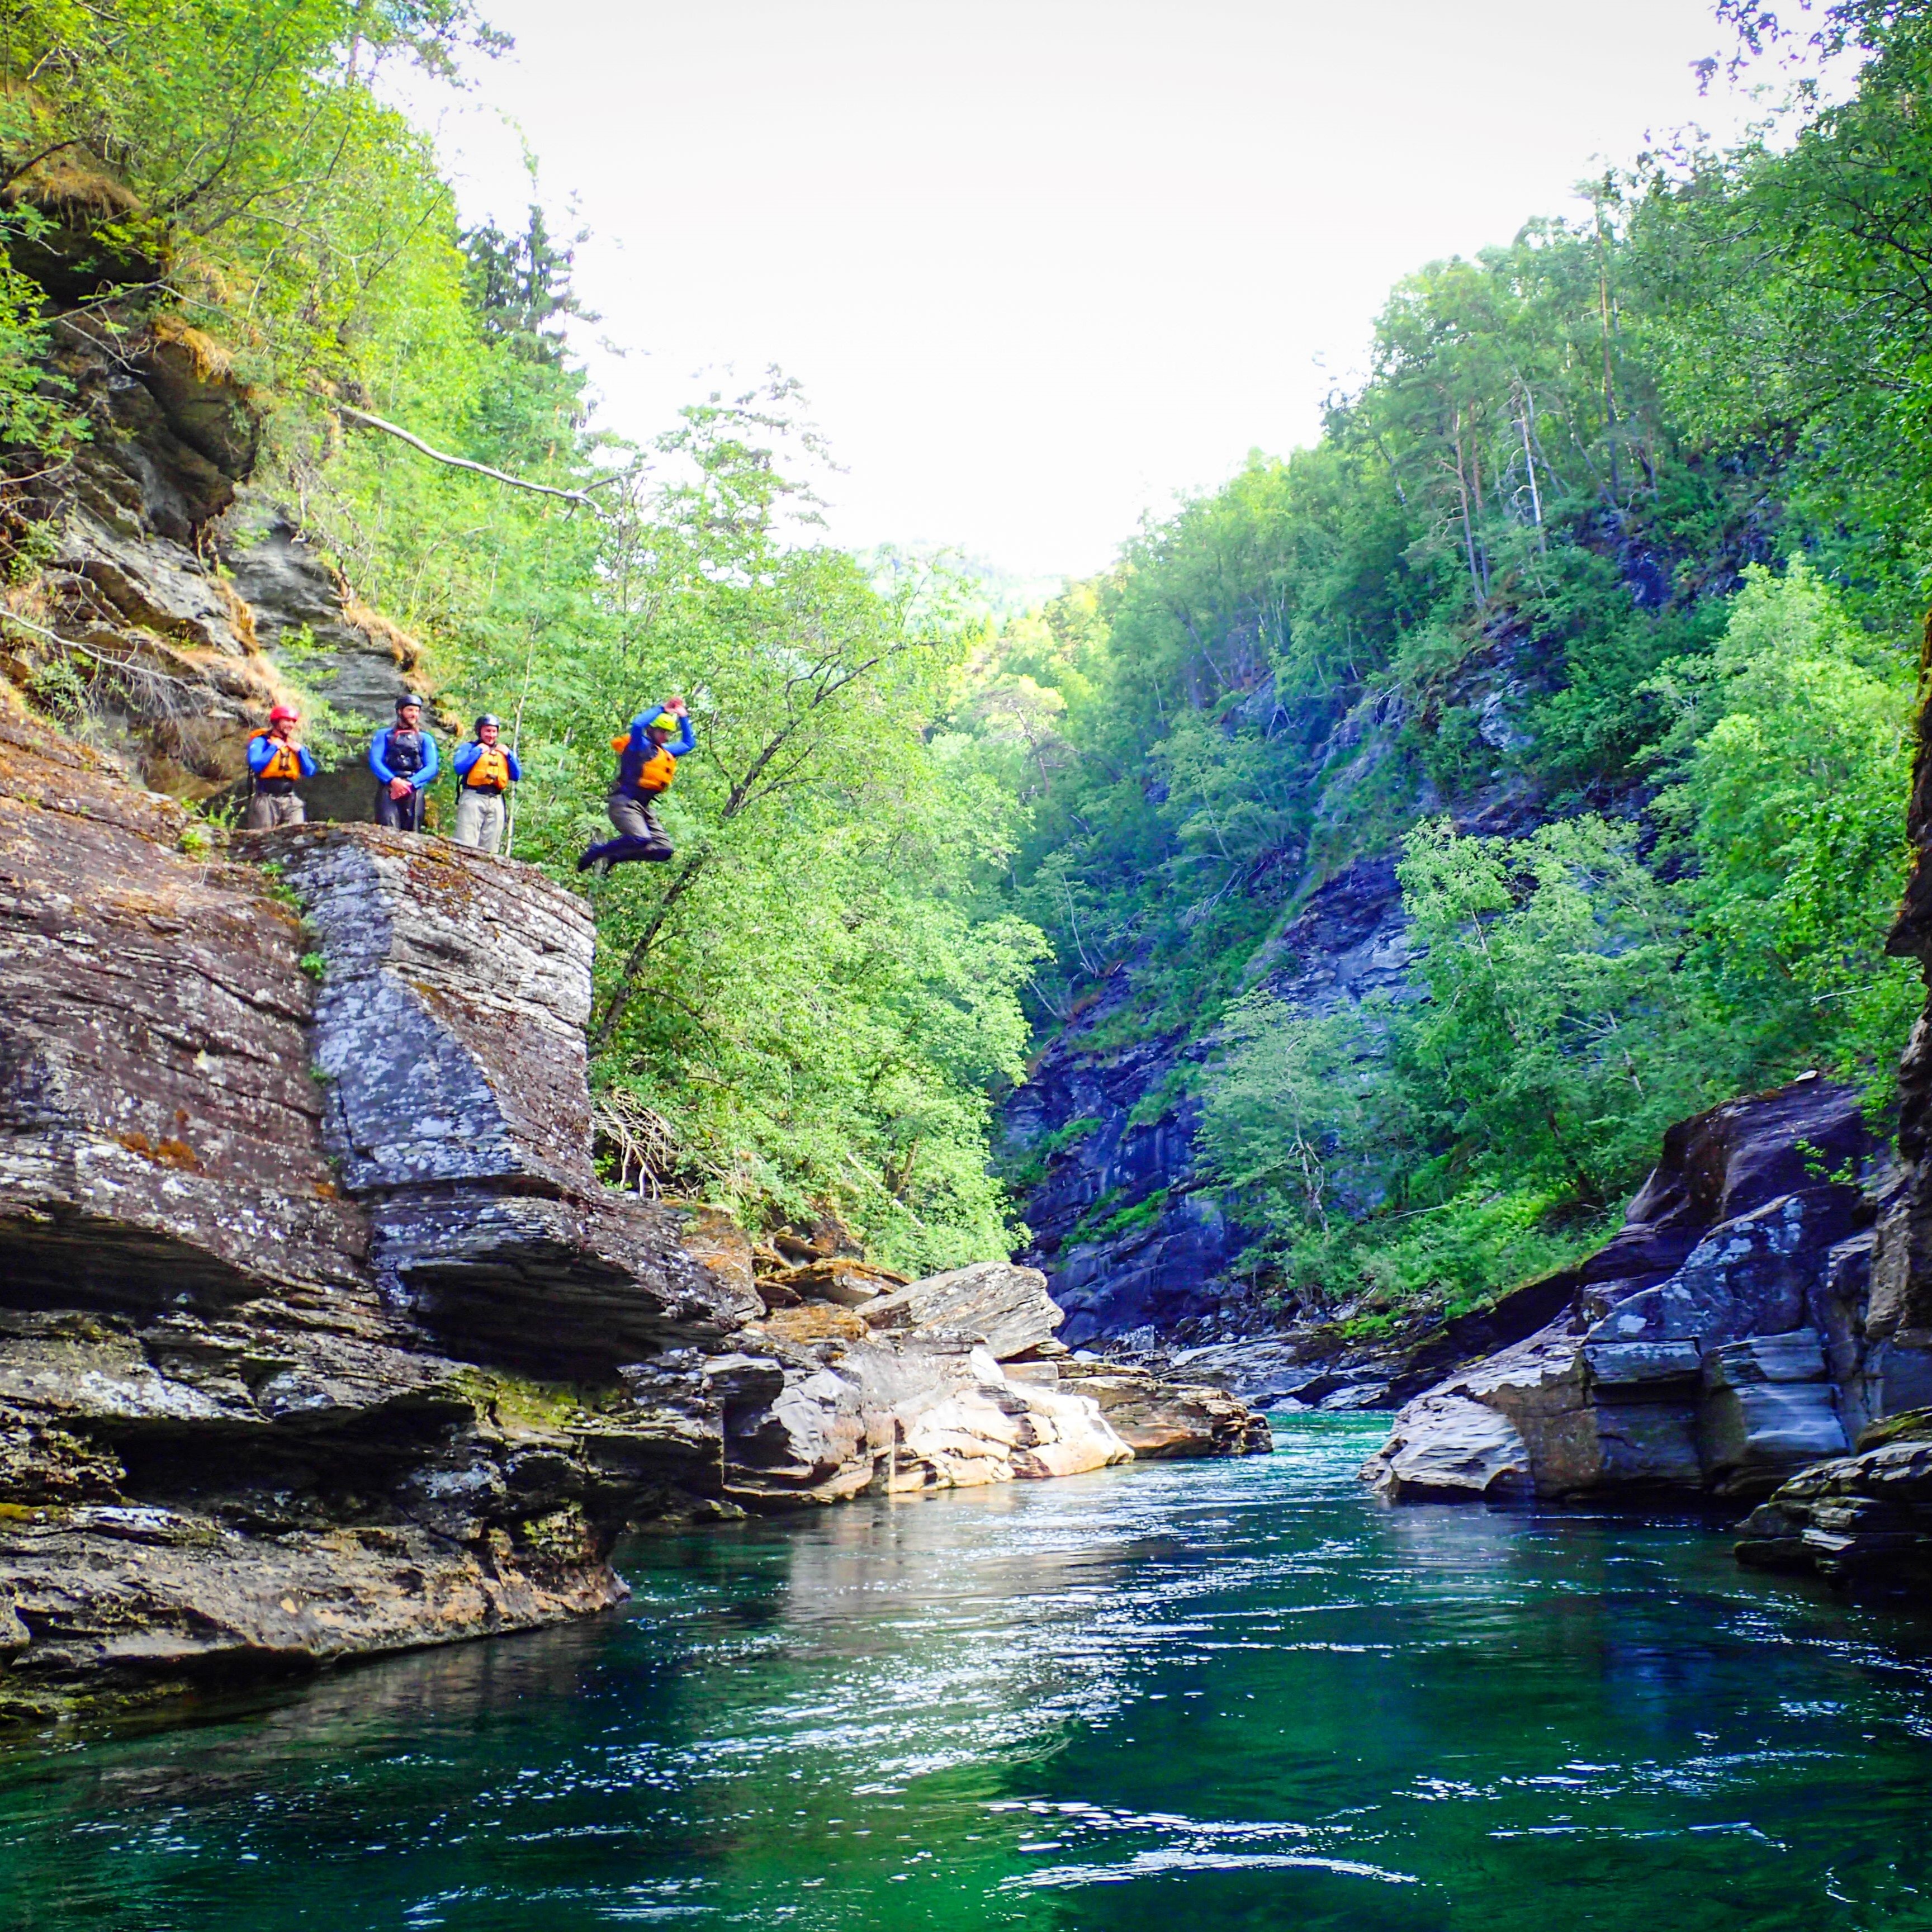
(1597, 600)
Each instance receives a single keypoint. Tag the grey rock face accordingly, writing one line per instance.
(1724, 1373)
(449, 1028)
(1750, 1276)
(1261, 1372)
(1163, 1420)
(1348, 945)
(1005, 1307)
(450, 1021)
(160, 1139)
(1452, 1447)
(200, 649)
(1767, 1408)
(292, 593)
(1860, 1520)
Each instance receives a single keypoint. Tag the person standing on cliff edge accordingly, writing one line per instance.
(646, 764)
(404, 761)
(276, 761)
(485, 771)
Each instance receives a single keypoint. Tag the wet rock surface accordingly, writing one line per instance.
(1864, 1520)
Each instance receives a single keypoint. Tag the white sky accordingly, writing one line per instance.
(1041, 265)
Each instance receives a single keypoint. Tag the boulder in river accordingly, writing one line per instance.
(1864, 1520)
(1162, 1420)
(1006, 1307)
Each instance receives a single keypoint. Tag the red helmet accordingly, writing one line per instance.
(282, 712)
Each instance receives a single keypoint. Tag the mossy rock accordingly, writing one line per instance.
(1910, 1425)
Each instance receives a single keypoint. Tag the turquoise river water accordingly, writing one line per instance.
(1204, 1696)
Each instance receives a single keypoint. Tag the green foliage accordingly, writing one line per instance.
(1107, 1219)
(1624, 529)
(1551, 965)
(277, 886)
(1579, 999)
(1143, 1213)
(1794, 781)
(1061, 1138)
(1627, 528)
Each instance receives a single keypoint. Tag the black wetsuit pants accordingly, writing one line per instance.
(639, 834)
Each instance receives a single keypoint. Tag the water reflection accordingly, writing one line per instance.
(1242, 1694)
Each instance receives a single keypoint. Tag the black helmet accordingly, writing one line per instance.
(489, 717)
(408, 698)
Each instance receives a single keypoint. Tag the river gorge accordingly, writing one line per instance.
(1242, 1242)
(1231, 1693)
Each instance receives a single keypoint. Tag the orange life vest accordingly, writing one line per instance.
(657, 771)
(490, 772)
(283, 761)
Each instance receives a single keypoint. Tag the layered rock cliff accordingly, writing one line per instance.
(1128, 1239)
(175, 597)
(1718, 1344)
(319, 1333)
(1866, 1518)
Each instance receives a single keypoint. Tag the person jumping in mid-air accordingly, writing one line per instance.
(646, 764)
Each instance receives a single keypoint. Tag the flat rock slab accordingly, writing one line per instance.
(450, 1021)
(1005, 1306)
(1163, 1420)
(1450, 1448)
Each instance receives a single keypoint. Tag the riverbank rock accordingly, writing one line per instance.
(449, 1040)
(1160, 1420)
(1004, 1307)
(1866, 1518)
(1858, 1521)
(320, 1336)
(1716, 1344)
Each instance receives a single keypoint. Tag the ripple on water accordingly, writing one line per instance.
(1242, 1693)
